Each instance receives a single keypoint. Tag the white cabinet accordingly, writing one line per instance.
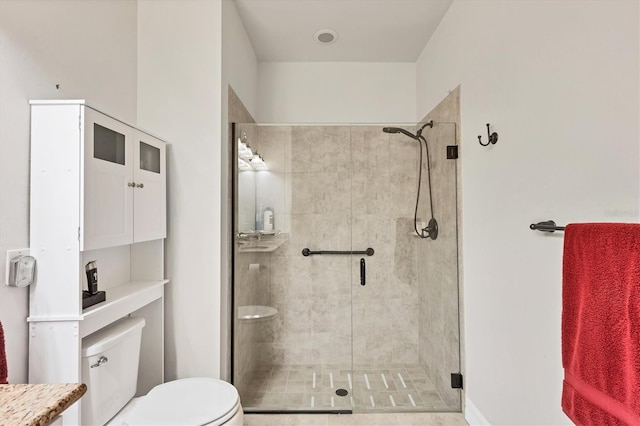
(107, 196)
(125, 183)
(150, 195)
(98, 193)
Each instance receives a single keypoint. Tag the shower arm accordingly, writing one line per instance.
(427, 124)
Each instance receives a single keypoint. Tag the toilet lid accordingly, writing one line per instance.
(195, 401)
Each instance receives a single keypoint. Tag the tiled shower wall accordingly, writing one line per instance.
(312, 293)
(385, 311)
(252, 288)
(342, 188)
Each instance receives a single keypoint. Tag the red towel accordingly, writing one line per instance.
(601, 324)
(3, 359)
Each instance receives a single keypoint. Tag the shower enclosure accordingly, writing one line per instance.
(353, 329)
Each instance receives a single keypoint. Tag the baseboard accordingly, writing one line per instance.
(473, 416)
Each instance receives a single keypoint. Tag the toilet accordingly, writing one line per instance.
(110, 360)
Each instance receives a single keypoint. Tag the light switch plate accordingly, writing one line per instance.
(10, 255)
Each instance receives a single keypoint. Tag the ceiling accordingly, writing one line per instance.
(368, 30)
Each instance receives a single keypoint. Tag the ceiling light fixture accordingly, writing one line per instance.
(325, 36)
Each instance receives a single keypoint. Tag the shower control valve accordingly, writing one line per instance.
(431, 231)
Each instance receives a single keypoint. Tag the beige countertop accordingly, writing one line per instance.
(36, 404)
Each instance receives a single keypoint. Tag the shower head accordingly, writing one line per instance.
(399, 130)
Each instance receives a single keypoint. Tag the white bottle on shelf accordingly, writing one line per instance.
(260, 217)
(268, 219)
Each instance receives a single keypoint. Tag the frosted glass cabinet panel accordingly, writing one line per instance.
(108, 145)
(149, 157)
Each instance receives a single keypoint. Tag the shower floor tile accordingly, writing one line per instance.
(368, 388)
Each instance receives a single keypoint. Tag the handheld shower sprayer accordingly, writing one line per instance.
(407, 133)
(431, 230)
(399, 130)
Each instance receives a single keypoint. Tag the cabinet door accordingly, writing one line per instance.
(150, 195)
(107, 218)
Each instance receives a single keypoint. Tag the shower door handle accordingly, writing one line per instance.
(363, 272)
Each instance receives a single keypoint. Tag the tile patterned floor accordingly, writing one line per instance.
(370, 388)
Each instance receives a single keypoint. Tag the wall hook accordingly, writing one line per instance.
(493, 137)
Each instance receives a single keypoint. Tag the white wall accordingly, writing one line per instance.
(336, 92)
(239, 61)
(89, 49)
(559, 82)
(240, 71)
(179, 98)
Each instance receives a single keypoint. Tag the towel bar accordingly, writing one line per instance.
(546, 226)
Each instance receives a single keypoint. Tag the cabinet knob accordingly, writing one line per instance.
(140, 185)
(131, 184)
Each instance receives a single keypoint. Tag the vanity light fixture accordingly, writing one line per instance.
(244, 151)
(258, 163)
(247, 160)
(243, 165)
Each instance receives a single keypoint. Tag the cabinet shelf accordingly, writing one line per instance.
(121, 301)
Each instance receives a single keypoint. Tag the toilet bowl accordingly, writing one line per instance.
(110, 368)
(195, 401)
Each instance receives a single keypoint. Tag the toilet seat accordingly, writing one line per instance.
(194, 402)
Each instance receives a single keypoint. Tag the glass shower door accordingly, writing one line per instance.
(296, 358)
(405, 316)
(344, 331)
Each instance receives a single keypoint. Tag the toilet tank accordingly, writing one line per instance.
(110, 359)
